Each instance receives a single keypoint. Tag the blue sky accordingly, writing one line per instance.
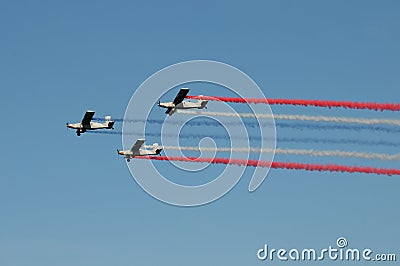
(71, 201)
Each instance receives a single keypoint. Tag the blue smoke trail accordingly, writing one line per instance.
(254, 138)
(279, 124)
(341, 141)
(301, 126)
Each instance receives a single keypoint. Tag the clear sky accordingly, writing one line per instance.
(66, 200)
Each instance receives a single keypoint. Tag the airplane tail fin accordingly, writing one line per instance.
(157, 148)
(203, 103)
(108, 122)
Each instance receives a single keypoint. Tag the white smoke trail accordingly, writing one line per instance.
(319, 153)
(334, 119)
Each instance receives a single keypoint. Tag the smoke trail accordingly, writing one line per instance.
(103, 132)
(334, 119)
(317, 103)
(338, 127)
(174, 122)
(340, 141)
(257, 138)
(281, 165)
(316, 153)
(292, 125)
(102, 119)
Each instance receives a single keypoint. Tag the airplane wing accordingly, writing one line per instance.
(139, 143)
(87, 117)
(181, 95)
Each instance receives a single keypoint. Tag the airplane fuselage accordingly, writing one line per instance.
(128, 154)
(91, 126)
(183, 105)
(82, 128)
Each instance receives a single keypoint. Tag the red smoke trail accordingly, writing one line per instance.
(281, 165)
(317, 103)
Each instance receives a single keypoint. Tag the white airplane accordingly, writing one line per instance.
(137, 150)
(87, 124)
(179, 103)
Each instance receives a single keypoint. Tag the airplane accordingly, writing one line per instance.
(179, 103)
(137, 150)
(86, 123)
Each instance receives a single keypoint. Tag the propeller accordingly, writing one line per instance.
(159, 102)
